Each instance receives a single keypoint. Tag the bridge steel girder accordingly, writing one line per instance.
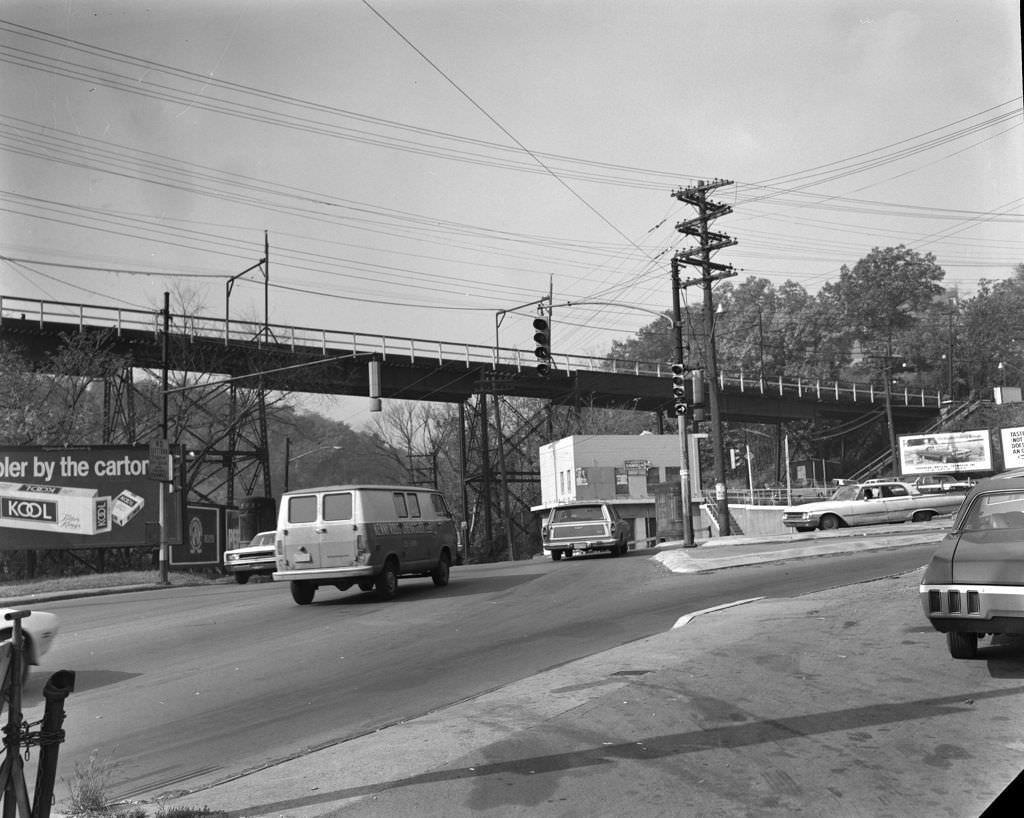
(340, 371)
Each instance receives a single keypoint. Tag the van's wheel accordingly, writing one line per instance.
(556, 555)
(241, 578)
(387, 581)
(830, 522)
(962, 645)
(921, 516)
(441, 573)
(302, 591)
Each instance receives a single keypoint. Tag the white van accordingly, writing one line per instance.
(362, 535)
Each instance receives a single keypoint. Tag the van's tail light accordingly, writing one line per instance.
(362, 552)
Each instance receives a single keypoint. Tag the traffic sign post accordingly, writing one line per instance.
(160, 469)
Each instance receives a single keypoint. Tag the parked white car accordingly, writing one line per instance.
(38, 630)
(256, 558)
(870, 503)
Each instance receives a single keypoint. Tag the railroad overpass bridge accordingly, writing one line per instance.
(334, 362)
(247, 360)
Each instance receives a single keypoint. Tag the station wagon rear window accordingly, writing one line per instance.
(578, 514)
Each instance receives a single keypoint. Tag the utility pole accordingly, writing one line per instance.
(710, 242)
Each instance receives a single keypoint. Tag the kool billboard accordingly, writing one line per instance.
(80, 497)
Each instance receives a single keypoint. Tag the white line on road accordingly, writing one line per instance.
(685, 620)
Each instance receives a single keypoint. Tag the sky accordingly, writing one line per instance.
(417, 167)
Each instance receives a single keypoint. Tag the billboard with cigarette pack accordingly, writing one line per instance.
(80, 497)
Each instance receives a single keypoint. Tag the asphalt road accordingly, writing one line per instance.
(180, 688)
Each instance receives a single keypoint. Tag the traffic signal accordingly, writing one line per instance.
(679, 388)
(542, 341)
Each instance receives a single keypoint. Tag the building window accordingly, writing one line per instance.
(621, 481)
(653, 478)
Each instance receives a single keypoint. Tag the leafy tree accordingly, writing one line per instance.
(990, 332)
(879, 298)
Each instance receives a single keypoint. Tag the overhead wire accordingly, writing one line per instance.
(643, 273)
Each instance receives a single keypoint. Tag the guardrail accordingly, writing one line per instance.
(229, 331)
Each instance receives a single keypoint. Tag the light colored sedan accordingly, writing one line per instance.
(38, 629)
(871, 503)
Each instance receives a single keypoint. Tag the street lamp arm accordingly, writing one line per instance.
(312, 451)
(659, 313)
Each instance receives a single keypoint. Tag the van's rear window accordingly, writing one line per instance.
(302, 509)
(338, 506)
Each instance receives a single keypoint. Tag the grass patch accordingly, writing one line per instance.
(89, 797)
(49, 585)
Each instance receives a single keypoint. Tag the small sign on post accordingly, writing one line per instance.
(160, 461)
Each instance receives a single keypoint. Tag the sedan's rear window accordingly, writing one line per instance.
(1002, 510)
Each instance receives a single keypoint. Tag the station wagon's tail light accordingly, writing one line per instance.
(954, 602)
(973, 602)
(935, 601)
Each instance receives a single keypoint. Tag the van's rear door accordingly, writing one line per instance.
(302, 531)
(338, 547)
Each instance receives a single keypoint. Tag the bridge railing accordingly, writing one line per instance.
(327, 342)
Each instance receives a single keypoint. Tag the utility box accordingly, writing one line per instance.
(668, 511)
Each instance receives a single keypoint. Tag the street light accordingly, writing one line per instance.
(289, 459)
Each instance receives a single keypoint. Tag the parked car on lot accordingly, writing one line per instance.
(255, 559)
(583, 528)
(869, 503)
(38, 631)
(938, 483)
(974, 583)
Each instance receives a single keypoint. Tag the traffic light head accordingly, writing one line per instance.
(679, 381)
(679, 388)
(542, 345)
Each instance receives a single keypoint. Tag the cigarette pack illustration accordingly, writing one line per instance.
(61, 509)
(125, 506)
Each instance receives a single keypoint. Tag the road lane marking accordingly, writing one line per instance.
(685, 620)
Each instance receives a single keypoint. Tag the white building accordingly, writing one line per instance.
(623, 470)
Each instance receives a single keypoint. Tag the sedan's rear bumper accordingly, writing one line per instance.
(974, 608)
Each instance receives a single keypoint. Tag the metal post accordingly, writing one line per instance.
(12, 772)
(681, 421)
(503, 502)
(162, 489)
(721, 495)
(287, 459)
(55, 691)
